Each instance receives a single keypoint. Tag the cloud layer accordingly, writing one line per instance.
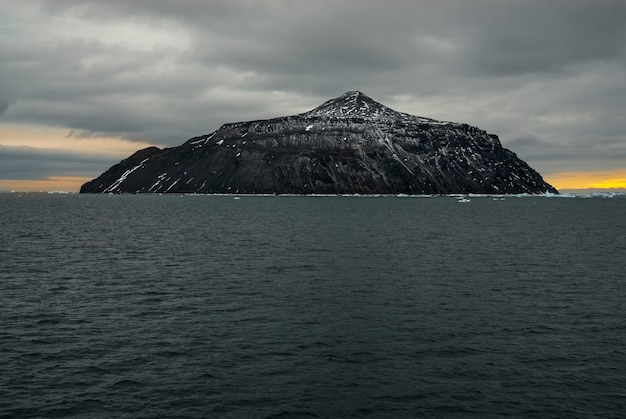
(27, 163)
(548, 77)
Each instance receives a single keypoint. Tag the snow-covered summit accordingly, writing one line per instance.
(356, 104)
(353, 104)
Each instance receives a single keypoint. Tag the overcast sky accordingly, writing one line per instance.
(85, 83)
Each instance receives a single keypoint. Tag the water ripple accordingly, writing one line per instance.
(303, 307)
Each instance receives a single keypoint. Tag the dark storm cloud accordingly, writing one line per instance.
(539, 36)
(165, 71)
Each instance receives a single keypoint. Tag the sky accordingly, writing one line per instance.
(85, 83)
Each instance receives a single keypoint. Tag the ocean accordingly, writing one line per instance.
(179, 306)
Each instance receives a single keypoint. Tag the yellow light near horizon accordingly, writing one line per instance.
(51, 184)
(611, 184)
(599, 179)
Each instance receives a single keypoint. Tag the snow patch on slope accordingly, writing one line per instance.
(121, 179)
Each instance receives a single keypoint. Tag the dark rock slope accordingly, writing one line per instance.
(348, 145)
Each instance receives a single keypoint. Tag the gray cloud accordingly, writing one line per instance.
(538, 36)
(165, 71)
(4, 105)
(27, 163)
(574, 156)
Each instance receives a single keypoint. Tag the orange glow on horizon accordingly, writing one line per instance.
(598, 179)
(61, 139)
(51, 184)
(613, 179)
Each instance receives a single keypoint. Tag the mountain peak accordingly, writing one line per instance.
(353, 104)
(355, 93)
(347, 145)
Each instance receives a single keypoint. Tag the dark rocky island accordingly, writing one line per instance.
(348, 145)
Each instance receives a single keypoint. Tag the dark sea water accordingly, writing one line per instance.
(330, 307)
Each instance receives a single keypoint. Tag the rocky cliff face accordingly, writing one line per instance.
(350, 144)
